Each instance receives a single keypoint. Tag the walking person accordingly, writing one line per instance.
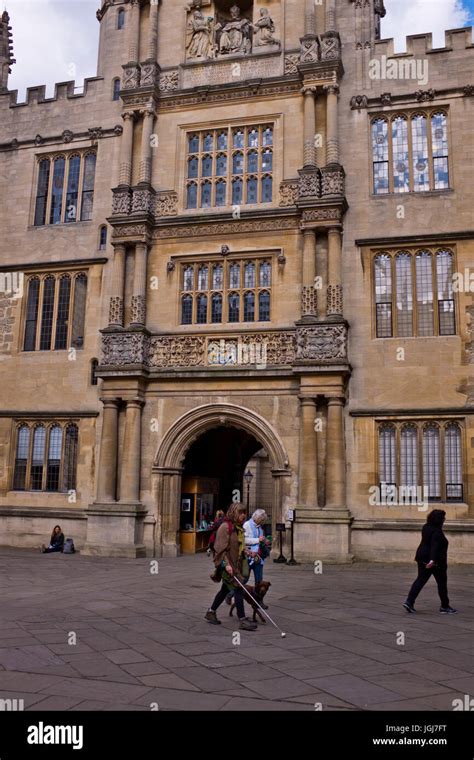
(432, 559)
(56, 542)
(254, 541)
(230, 555)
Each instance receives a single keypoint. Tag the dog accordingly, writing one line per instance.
(257, 593)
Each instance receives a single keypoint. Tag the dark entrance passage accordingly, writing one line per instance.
(213, 477)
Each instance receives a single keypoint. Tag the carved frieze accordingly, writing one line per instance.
(226, 228)
(309, 51)
(330, 46)
(332, 181)
(121, 203)
(121, 349)
(321, 214)
(166, 204)
(334, 300)
(138, 310)
(289, 193)
(131, 77)
(309, 301)
(116, 310)
(142, 201)
(149, 74)
(169, 81)
(310, 184)
(231, 71)
(291, 63)
(177, 351)
(321, 343)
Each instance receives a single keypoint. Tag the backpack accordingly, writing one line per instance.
(69, 546)
(215, 528)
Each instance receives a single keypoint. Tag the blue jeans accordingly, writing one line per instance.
(257, 571)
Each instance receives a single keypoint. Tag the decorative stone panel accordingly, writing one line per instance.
(322, 343)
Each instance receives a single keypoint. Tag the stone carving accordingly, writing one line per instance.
(334, 300)
(379, 8)
(321, 343)
(425, 95)
(310, 184)
(67, 136)
(386, 98)
(131, 77)
(118, 130)
(177, 351)
(222, 228)
(264, 30)
(291, 63)
(95, 133)
(170, 266)
(468, 90)
(130, 230)
(235, 35)
(121, 203)
(359, 101)
(224, 71)
(39, 140)
(321, 214)
(332, 181)
(6, 51)
(121, 349)
(309, 52)
(116, 311)
(470, 345)
(166, 204)
(289, 193)
(309, 301)
(138, 310)
(330, 46)
(149, 74)
(169, 81)
(199, 30)
(141, 201)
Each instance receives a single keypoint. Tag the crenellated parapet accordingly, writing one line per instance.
(63, 91)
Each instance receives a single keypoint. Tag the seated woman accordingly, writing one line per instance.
(56, 542)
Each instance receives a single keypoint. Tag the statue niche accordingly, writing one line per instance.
(229, 32)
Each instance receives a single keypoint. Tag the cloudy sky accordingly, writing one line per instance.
(56, 40)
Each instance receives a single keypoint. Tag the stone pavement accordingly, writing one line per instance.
(141, 638)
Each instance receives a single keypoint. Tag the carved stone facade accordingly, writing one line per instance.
(322, 343)
(116, 310)
(309, 301)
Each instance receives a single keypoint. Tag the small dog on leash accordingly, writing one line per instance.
(257, 593)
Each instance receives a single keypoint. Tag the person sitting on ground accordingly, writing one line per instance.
(56, 542)
(230, 555)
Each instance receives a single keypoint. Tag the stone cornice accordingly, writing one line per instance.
(25, 415)
(416, 99)
(436, 412)
(65, 139)
(440, 237)
(54, 265)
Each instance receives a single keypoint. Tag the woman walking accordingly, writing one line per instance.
(432, 559)
(229, 555)
(254, 537)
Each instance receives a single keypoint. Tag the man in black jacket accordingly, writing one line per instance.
(432, 559)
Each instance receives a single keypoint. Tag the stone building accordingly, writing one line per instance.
(252, 230)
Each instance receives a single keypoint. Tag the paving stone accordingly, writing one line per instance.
(221, 659)
(206, 680)
(144, 668)
(412, 686)
(125, 656)
(280, 688)
(255, 705)
(168, 681)
(251, 672)
(170, 699)
(355, 690)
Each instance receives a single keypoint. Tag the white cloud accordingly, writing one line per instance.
(418, 16)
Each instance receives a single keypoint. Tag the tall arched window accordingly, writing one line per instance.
(383, 295)
(439, 138)
(57, 190)
(54, 458)
(421, 167)
(401, 167)
(264, 306)
(88, 187)
(120, 18)
(380, 156)
(21, 460)
(203, 278)
(188, 278)
(79, 311)
(31, 321)
(409, 456)
(234, 307)
(42, 191)
(116, 90)
(453, 462)
(217, 277)
(94, 365)
(216, 316)
(265, 274)
(186, 310)
(446, 305)
(201, 315)
(424, 293)
(249, 307)
(74, 168)
(431, 461)
(37, 460)
(249, 275)
(387, 455)
(62, 316)
(403, 263)
(70, 457)
(234, 276)
(47, 313)
(103, 238)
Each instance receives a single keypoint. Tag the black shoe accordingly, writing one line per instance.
(409, 607)
(448, 611)
(248, 625)
(263, 606)
(211, 617)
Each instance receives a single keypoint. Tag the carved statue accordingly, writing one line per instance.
(235, 35)
(264, 29)
(198, 36)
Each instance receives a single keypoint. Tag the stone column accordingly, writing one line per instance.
(332, 137)
(335, 456)
(107, 472)
(126, 147)
(330, 15)
(131, 458)
(309, 18)
(334, 293)
(153, 31)
(309, 304)
(138, 312)
(146, 151)
(308, 475)
(134, 46)
(309, 127)
(118, 281)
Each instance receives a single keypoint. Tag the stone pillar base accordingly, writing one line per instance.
(115, 530)
(322, 534)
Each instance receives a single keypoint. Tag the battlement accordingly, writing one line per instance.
(62, 91)
(422, 44)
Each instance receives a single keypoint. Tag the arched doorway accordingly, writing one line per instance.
(214, 441)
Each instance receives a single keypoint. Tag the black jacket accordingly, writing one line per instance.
(434, 546)
(57, 540)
